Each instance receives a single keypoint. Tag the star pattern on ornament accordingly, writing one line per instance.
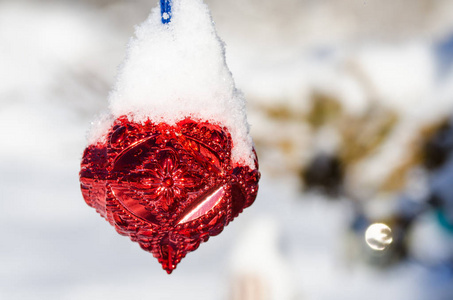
(165, 180)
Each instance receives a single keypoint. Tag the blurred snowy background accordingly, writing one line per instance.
(350, 104)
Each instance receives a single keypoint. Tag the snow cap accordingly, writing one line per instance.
(178, 70)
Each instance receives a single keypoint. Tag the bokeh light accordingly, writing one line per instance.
(378, 236)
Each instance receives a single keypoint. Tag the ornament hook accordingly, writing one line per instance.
(165, 10)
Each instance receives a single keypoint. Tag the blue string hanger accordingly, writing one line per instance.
(165, 10)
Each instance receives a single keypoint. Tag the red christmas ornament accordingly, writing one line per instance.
(169, 188)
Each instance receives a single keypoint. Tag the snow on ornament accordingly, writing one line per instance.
(173, 163)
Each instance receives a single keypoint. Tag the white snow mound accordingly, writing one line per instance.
(178, 70)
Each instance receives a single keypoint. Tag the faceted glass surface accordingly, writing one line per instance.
(169, 188)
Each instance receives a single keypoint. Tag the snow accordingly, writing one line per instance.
(178, 70)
